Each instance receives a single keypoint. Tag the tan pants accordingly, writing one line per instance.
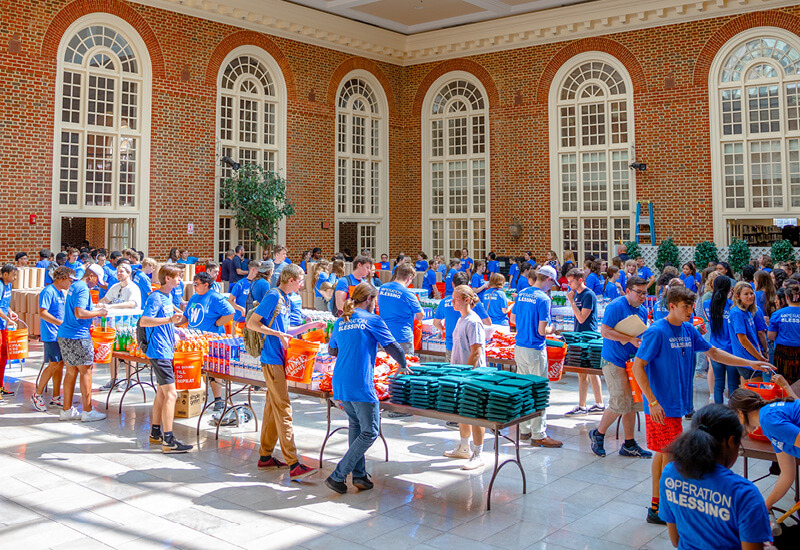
(277, 421)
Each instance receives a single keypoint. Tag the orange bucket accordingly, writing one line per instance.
(103, 341)
(188, 366)
(18, 342)
(555, 361)
(636, 391)
(300, 357)
(95, 295)
(767, 391)
(316, 335)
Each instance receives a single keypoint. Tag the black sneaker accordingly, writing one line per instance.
(634, 451)
(597, 443)
(775, 469)
(156, 439)
(334, 485)
(174, 447)
(452, 425)
(362, 483)
(652, 517)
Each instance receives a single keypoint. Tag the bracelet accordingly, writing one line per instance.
(652, 403)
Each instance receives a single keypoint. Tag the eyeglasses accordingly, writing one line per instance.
(642, 293)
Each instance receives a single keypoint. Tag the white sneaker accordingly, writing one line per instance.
(92, 416)
(38, 403)
(459, 452)
(474, 463)
(71, 414)
(57, 401)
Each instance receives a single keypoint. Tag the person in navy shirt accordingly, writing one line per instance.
(429, 280)
(743, 330)
(75, 343)
(466, 261)
(225, 268)
(354, 341)
(701, 498)
(398, 307)
(422, 263)
(385, 264)
(492, 265)
(690, 277)
(584, 307)
(779, 420)
(360, 273)
(618, 349)
(784, 330)
(477, 282)
(664, 369)
(238, 268)
(271, 318)
(447, 316)
(717, 310)
(531, 315)
(159, 318)
(51, 313)
(448, 280)
(495, 300)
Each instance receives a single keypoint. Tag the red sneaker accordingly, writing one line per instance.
(271, 463)
(300, 471)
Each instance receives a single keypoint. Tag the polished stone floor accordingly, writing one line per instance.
(100, 485)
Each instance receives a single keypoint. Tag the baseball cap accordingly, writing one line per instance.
(97, 270)
(266, 265)
(549, 271)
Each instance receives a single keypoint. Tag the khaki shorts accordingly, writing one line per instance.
(619, 390)
(448, 355)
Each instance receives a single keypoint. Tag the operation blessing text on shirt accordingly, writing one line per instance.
(702, 499)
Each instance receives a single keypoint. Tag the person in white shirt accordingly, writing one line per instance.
(122, 295)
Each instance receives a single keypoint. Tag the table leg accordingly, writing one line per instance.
(796, 482)
(385, 445)
(327, 430)
(206, 404)
(250, 403)
(499, 467)
(745, 466)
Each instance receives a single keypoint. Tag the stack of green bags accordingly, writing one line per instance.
(449, 393)
(424, 391)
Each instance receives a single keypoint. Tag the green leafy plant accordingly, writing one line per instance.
(258, 200)
(704, 253)
(738, 255)
(633, 249)
(667, 253)
(782, 251)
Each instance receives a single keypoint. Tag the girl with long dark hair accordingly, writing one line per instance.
(717, 309)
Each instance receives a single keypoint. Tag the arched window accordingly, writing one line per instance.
(361, 165)
(251, 115)
(455, 138)
(102, 132)
(755, 110)
(591, 126)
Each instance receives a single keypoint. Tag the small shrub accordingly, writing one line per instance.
(738, 255)
(633, 249)
(704, 253)
(667, 253)
(782, 251)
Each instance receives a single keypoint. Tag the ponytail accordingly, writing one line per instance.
(467, 294)
(698, 450)
(360, 294)
(719, 299)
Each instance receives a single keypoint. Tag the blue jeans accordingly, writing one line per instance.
(720, 371)
(364, 428)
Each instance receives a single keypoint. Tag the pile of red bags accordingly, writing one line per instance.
(501, 346)
(385, 368)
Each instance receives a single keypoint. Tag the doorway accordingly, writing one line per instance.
(109, 233)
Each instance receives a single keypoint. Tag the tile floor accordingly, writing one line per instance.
(100, 485)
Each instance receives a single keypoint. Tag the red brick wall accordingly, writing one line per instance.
(672, 127)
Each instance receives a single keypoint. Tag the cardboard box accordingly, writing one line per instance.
(32, 304)
(189, 403)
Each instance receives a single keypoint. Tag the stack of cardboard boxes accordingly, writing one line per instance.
(25, 302)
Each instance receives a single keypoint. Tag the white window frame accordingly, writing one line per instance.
(556, 214)
(721, 214)
(380, 220)
(280, 139)
(427, 160)
(140, 213)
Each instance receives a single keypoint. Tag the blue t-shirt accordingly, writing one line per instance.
(513, 272)
(669, 353)
(79, 269)
(466, 264)
(786, 322)
(623, 281)
(690, 281)
(722, 339)
(43, 264)
(780, 422)
(421, 265)
(492, 266)
(760, 299)
(386, 265)
(357, 341)
(345, 283)
(660, 311)
(204, 311)
(273, 353)
(216, 288)
(476, 282)
(160, 339)
(644, 272)
(611, 291)
(240, 291)
(52, 300)
(295, 310)
(446, 312)
(522, 283)
(429, 281)
(276, 274)
(721, 505)
(111, 278)
(5, 302)
(321, 278)
(442, 269)
(177, 294)
(448, 282)
(397, 307)
(586, 300)
(259, 289)
(615, 352)
(495, 300)
(531, 308)
(144, 283)
(742, 322)
(73, 328)
(594, 283)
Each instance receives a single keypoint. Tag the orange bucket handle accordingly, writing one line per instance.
(19, 321)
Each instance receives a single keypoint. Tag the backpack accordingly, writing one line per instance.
(254, 341)
(141, 336)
